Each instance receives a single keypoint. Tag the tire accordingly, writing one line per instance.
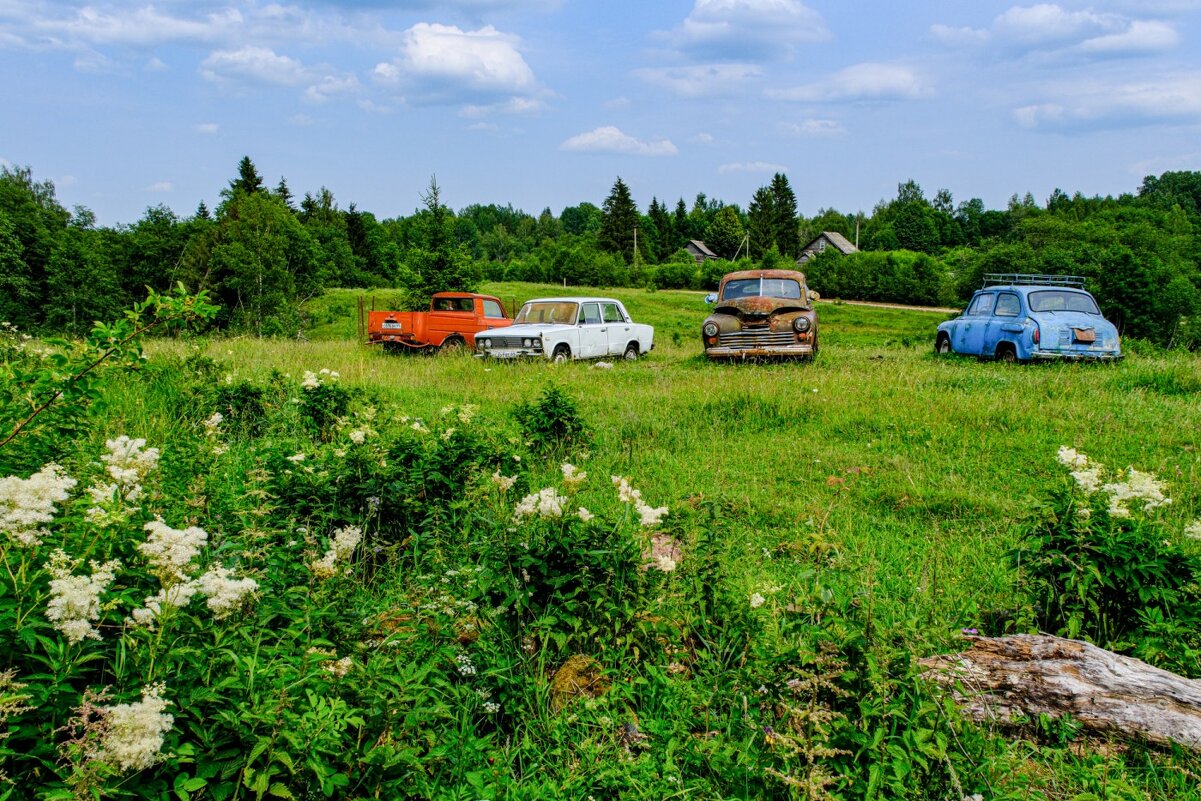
(1007, 354)
(942, 345)
(562, 354)
(631, 354)
(453, 346)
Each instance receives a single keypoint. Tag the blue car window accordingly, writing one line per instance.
(982, 305)
(1008, 305)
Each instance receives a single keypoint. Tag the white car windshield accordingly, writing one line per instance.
(786, 288)
(547, 312)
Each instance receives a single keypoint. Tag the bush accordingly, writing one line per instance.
(1096, 564)
(552, 423)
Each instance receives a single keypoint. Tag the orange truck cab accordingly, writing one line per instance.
(451, 323)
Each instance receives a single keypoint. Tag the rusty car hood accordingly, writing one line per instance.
(759, 306)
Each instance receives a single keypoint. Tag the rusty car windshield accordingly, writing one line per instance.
(547, 312)
(1059, 300)
(786, 288)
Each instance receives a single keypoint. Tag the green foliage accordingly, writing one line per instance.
(46, 397)
(1094, 570)
(553, 422)
(893, 277)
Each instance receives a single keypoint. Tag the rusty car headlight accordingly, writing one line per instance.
(710, 329)
(800, 324)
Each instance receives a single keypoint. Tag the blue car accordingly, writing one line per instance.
(1026, 317)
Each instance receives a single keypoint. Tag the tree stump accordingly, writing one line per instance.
(1105, 692)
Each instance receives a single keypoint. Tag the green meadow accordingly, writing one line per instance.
(829, 523)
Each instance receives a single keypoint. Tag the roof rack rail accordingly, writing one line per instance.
(1027, 279)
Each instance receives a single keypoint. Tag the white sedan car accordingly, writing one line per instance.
(568, 328)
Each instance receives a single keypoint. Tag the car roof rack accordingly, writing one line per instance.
(1027, 279)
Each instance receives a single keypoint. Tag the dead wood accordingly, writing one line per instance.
(1000, 677)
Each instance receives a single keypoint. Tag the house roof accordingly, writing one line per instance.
(836, 239)
(702, 247)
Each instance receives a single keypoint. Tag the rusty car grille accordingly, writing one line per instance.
(757, 338)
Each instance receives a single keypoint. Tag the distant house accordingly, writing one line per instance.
(825, 240)
(700, 251)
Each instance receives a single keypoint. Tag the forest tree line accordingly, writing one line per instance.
(262, 252)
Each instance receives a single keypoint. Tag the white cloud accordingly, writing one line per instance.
(161, 186)
(1051, 28)
(156, 65)
(302, 121)
(617, 102)
(610, 139)
(372, 107)
(143, 26)
(514, 105)
(703, 138)
(751, 166)
(259, 64)
(1140, 37)
(207, 128)
(1171, 98)
(860, 82)
(816, 128)
(750, 30)
(330, 86)
(443, 64)
(66, 180)
(486, 127)
(701, 80)
(957, 37)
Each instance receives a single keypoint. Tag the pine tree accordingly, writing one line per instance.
(619, 217)
(784, 224)
(248, 181)
(202, 212)
(761, 222)
(284, 193)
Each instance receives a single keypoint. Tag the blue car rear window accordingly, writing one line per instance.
(1058, 300)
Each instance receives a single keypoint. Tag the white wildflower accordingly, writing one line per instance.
(339, 667)
(447, 434)
(212, 426)
(491, 707)
(177, 596)
(419, 427)
(358, 437)
(296, 458)
(26, 505)
(664, 554)
(225, 594)
(572, 476)
(340, 550)
(1070, 457)
(584, 514)
(464, 665)
(129, 460)
(467, 413)
(170, 550)
(310, 381)
(757, 600)
(1138, 486)
(1193, 530)
(647, 514)
(75, 600)
(504, 482)
(134, 732)
(545, 503)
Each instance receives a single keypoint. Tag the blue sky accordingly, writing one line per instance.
(543, 103)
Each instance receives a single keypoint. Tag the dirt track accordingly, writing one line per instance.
(941, 309)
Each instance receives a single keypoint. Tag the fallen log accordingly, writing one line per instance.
(999, 677)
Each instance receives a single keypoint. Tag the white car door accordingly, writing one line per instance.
(594, 341)
(618, 331)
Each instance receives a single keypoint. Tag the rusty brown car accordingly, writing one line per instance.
(761, 314)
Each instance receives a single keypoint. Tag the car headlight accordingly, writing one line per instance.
(800, 324)
(710, 329)
(527, 343)
(485, 343)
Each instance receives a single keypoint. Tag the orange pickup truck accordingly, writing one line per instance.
(451, 323)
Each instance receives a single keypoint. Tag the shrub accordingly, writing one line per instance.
(1096, 564)
(551, 423)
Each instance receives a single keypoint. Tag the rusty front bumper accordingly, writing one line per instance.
(800, 351)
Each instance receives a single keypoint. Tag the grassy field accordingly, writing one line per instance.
(881, 485)
(913, 469)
